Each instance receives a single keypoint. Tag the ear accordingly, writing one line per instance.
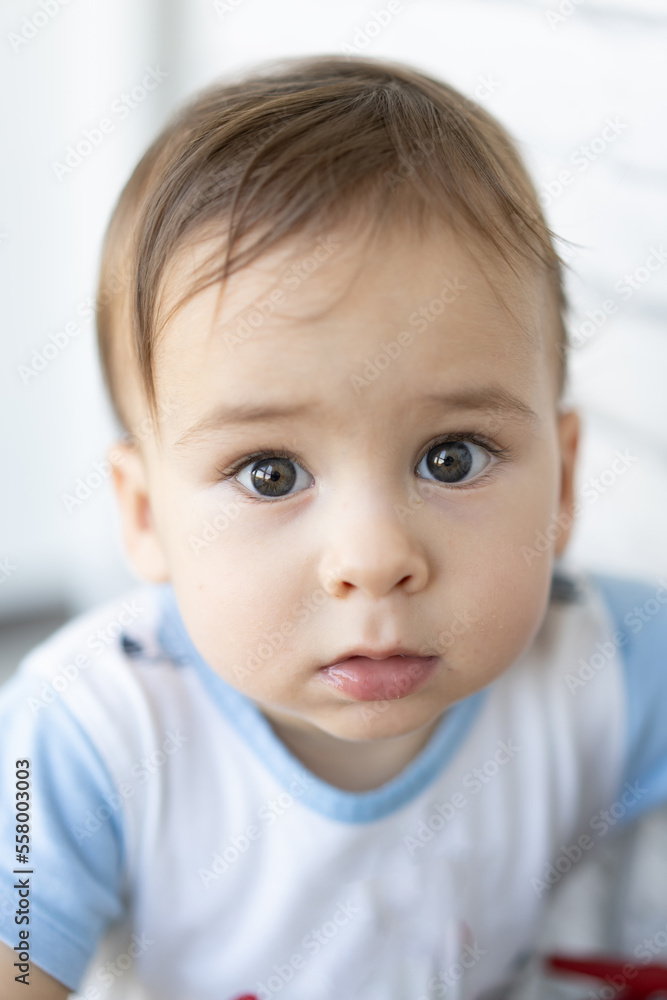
(142, 543)
(568, 432)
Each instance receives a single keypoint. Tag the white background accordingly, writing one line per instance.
(554, 86)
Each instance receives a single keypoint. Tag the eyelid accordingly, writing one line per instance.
(256, 456)
(475, 438)
(479, 439)
(232, 472)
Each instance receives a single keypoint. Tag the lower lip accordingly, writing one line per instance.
(365, 679)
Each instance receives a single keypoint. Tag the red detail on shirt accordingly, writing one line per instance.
(634, 982)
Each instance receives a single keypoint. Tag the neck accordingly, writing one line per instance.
(352, 765)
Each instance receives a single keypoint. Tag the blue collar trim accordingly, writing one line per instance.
(254, 727)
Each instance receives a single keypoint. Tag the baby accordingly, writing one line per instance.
(356, 721)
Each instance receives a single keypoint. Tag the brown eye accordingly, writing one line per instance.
(450, 462)
(272, 476)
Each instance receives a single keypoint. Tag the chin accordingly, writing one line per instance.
(382, 721)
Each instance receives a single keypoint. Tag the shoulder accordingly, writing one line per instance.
(605, 631)
(632, 614)
(96, 636)
(95, 672)
(638, 610)
(72, 718)
(565, 651)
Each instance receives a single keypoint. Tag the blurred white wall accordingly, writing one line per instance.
(561, 75)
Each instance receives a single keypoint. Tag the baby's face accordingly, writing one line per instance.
(341, 519)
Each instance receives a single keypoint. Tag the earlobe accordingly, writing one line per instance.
(569, 427)
(142, 542)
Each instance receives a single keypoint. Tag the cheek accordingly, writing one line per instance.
(496, 583)
(239, 588)
(493, 623)
(523, 511)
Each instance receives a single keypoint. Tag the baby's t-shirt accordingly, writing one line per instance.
(178, 850)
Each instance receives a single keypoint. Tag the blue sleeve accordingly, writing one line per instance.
(76, 849)
(640, 613)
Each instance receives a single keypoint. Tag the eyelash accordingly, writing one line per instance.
(478, 439)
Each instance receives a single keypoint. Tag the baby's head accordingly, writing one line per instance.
(337, 346)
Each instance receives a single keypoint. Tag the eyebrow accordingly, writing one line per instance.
(484, 399)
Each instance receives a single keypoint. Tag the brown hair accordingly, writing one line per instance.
(290, 146)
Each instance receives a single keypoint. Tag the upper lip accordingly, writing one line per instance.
(374, 654)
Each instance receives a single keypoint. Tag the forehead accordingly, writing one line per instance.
(303, 319)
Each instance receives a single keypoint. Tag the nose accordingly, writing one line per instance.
(369, 548)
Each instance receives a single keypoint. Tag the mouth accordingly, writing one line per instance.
(369, 678)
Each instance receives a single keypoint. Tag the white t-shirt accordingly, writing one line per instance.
(178, 850)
